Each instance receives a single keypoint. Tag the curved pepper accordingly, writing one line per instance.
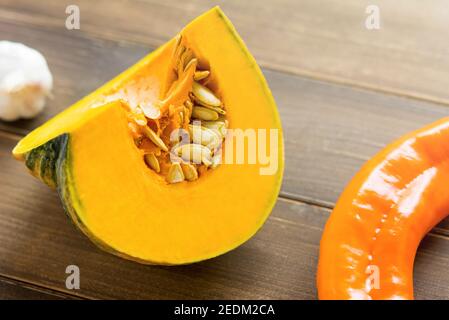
(369, 243)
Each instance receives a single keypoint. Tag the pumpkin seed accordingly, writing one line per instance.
(141, 122)
(178, 42)
(152, 162)
(195, 153)
(181, 118)
(200, 75)
(190, 172)
(188, 108)
(175, 173)
(203, 113)
(180, 66)
(190, 63)
(216, 160)
(154, 138)
(219, 109)
(218, 127)
(187, 113)
(138, 116)
(204, 136)
(207, 161)
(176, 45)
(216, 109)
(205, 95)
(188, 56)
(177, 51)
(150, 111)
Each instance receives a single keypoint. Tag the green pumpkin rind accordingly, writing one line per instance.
(42, 161)
(50, 163)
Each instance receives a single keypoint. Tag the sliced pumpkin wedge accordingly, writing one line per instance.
(128, 185)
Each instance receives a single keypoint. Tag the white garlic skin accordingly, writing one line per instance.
(25, 81)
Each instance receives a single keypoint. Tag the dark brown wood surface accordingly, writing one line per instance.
(343, 93)
(17, 290)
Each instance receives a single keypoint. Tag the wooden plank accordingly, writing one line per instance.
(338, 125)
(323, 39)
(10, 290)
(38, 242)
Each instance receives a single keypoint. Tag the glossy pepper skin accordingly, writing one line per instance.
(381, 217)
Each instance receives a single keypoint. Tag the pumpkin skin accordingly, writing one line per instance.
(87, 153)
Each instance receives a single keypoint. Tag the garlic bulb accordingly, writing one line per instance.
(25, 81)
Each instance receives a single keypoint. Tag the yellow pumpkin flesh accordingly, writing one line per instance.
(131, 211)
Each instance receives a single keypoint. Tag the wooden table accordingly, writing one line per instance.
(343, 92)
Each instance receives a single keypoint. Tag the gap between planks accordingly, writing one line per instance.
(334, 80)
(436, 231)
(40, 288)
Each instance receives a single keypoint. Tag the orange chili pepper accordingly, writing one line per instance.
(369, 243)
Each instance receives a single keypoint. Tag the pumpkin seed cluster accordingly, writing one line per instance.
(201, 115)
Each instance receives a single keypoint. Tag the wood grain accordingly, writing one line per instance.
(12, 290)
(38, 242)
(324, 39)
(330, 130)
